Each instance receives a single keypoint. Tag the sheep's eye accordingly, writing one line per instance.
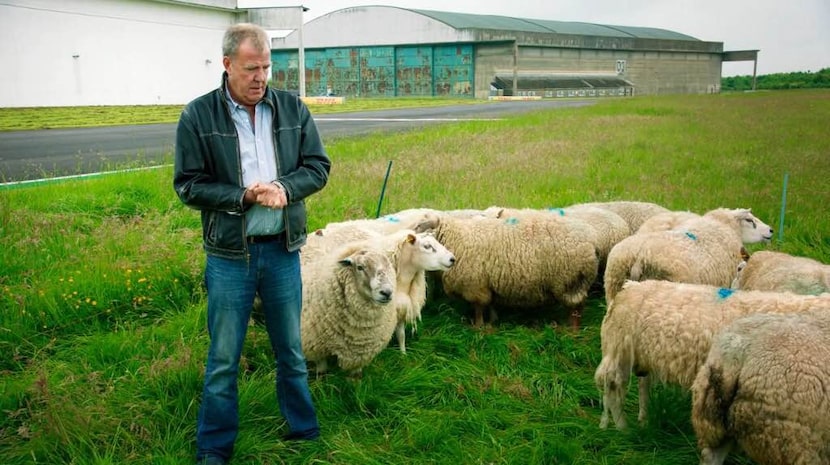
(751, 221)
(359, 267)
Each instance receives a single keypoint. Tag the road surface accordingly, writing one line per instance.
(49, 153)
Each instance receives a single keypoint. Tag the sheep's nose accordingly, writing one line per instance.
(386, 294)
(452, 260)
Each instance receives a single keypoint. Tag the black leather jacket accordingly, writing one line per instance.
(208, 176)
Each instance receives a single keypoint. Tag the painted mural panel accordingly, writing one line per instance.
(377, 72)
(382, 71)
(453, 70)
(285, 70)
(414, 71)
(316, 72)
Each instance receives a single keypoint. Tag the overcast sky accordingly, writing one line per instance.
(791, 35)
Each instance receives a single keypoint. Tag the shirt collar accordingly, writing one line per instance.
(233, 103)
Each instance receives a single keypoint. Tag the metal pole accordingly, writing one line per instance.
(515, 67)
(383, 189)
(754, 71)
(783, 207)
(301, 52)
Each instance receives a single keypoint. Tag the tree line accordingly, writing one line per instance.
(777, 81)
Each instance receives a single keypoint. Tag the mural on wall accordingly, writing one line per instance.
(439, 70)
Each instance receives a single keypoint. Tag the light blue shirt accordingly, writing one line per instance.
(259, 163)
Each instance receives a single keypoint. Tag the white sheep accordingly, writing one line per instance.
(404, 219)
(666, 221)
(777, 271)
(633, 212)
(663, 330)
(518, 262)
(609, 227)
(702, 250)
(346, 307)
(412, 254)
(765, 387)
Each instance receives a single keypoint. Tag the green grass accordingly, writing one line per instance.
(15, 119)
(102, 328)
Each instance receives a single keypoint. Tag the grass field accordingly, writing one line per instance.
(102, 329)
(21, 119)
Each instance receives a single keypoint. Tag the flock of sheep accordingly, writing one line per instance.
(686, 304)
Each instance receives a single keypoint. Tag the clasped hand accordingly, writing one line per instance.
(266, 194)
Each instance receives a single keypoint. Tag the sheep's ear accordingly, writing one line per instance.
(410, 238)
(345, 262)
(427, 224)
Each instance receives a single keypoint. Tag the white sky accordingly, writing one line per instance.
(791, 35)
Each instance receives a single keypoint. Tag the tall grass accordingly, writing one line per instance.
(102, 332)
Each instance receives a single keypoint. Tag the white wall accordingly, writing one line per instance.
(108, 52)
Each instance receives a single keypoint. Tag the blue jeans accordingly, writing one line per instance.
(231, 285)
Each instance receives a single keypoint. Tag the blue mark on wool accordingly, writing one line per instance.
(724, 292)
(691, 236)
(393, 219)
(557, 210)
(511, 220)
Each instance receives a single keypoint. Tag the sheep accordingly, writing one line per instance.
(404, 219)
(666, 221)
(634, 213)
(704, 250)
(414, 257)
(346, 307)
(610, 228)
(663, 330)
(778, 271)
(518, 262)
(764, 387)
(412, 254)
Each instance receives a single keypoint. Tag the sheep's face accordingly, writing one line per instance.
(753, 230)
(428, 254)
(374, 275)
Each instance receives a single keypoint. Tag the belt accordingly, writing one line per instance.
(263, 239)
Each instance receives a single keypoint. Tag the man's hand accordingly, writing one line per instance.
(267, 194)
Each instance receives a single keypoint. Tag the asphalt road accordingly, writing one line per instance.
(33, 155)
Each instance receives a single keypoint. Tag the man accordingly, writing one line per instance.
(246, 157)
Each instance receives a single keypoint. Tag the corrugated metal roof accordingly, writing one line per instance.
(471, 21)
(474, 21)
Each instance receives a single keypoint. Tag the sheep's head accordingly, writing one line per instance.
(373, 273)
(753, 230)
(428, 254)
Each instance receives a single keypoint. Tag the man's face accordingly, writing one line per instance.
(248, 73)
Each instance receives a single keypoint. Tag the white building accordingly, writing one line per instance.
(115, 52)
(148, 52)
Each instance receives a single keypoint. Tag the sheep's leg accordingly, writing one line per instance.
(612, 400)
(478, 322)
(643, 384)
(576, 316)
(715, 455)
(321, 366)
(400, 333)
(603, 420)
